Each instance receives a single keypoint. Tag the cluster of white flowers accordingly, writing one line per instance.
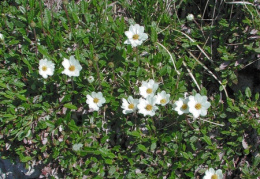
(212, 174)
(147, 104)
(197, 105)
(72, 67)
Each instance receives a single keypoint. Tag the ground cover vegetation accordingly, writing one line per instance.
(130, 89)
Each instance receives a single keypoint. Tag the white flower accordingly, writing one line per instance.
(162, 98)
(91, 79)
(190, 17)
(72, 66)
(46, 68)
(212, 174)
(198, 105)
(181, 106)
(2, 37)
(135, 35)
(147, 106)
(95, 100)
(129, 105)
(148, 88)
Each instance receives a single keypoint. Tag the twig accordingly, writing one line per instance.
(35, 38)
(196, 45)
(188, 122)
(170, 57)
(40, 3)
(66, 11)
(224, 88)
(191, 75)
(212, 122)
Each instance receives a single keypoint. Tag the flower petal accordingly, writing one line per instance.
(66, 63)
(129, 34)
(143, 36)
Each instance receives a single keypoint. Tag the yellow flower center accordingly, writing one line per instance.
(95, 100)
(149, 107)
(136, 37)
(44, 68)
(131, 106)
(198, 106)
(72, 68)
(214, 176)
(163, 101)
(149, 90)
(184, 106)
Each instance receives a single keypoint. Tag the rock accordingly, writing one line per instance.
(9, 170)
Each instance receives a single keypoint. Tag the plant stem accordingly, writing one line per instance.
(40, 3)
(35, 42)
(97, 68)
(65, 8)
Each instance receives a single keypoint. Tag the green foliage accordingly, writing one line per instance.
(48, 120)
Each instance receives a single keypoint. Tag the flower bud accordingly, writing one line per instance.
(90, 63)
(96, 58)
(190, 17)
(111, 65)
(32, 24)
(91, 79)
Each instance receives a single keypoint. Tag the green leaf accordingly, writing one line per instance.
(50, 124)
(153, 146)
(43, 51)
(47, 17)
(153, 34)
(75, 17)
(70, 106)
(10, 116)
(77, 147)
(207, 140)
(185, 155)
(112, 170)
(22, 97)
(134, 133)
(3, 85)
(73, 126)
(248, 92)
(141, 147)
(109, 161)
(25, 159)
(203, 91)
(256, 96)
(27, 63)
